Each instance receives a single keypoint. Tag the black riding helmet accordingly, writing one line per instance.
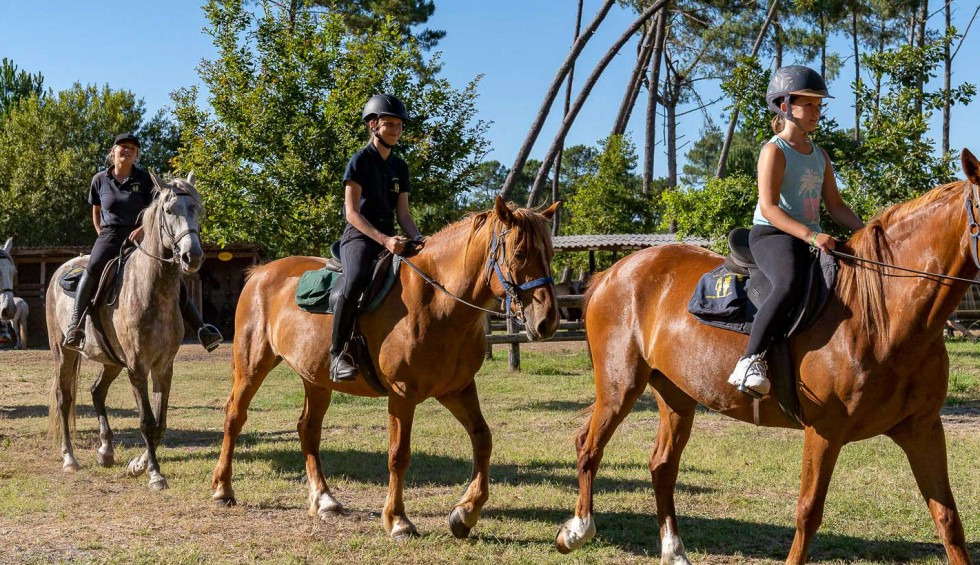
(794, 80)
(384, 105)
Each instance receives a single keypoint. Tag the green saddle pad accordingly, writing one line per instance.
(313, 290)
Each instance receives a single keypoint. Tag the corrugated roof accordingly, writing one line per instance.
(621, 242)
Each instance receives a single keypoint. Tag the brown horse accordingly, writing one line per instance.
(425, 344)
(873, 363)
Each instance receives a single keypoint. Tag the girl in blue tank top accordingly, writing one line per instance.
(795, 175)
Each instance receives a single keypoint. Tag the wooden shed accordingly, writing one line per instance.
(215, 288)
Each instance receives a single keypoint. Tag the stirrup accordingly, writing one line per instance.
(342, 369)
(210, 337)
(74, 339)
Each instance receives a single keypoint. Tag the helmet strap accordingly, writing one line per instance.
(377, 135)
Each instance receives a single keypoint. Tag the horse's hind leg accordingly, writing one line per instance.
(676, 417)
(62, 412)
(310, 426)
(465, 406)
(924, 444)
(105, 455)
(619, 382)
(251, 363)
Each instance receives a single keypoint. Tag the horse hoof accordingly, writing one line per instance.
(560, 543)
(226, 502)
(158, 483)
(404, 537)
(574, 533)
(459, 529)
(135, 468)
(70, 467)
(105, 459)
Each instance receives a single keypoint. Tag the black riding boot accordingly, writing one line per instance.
(342, 367)
(75, 334)
(5, 332)
(209, 336)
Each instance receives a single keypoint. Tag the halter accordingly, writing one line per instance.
(167, 234)
(498, 251)
(971, 196)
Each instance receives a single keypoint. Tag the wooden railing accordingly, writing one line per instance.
(568, 330)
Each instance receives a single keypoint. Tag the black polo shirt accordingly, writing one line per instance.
(121, 202)
(381, 182)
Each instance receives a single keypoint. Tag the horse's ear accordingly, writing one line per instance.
(156, 181)
(550, 212)
(970, 166)
(190, 177)
(9, 245)
(502, 211)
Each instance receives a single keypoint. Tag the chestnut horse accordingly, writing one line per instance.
(874, 362)
(425, 344)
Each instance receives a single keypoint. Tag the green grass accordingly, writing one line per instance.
(736, 495)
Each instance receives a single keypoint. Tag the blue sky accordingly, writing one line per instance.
(152, 48)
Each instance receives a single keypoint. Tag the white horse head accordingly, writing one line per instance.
(7, 272)
(174, 220)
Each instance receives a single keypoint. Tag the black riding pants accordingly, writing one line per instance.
(785, 260)
(357, 255)
(107, 246)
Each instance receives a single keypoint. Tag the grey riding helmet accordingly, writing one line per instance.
(384, 105)
(794, 80)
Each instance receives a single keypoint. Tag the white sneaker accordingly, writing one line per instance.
(750, 376)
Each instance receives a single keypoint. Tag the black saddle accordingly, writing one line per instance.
(729, 297)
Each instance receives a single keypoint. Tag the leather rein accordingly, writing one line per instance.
(497, 254)
(971, 197)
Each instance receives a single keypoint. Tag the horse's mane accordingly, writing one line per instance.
(478, 227)
(861, 284)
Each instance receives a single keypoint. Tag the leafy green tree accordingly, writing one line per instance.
(713, 211)
(895, 161)
(16, 84)
(702, 159)
(364, 17)
(49, 149)
(609, 201)
(286, 94)
(488, 177)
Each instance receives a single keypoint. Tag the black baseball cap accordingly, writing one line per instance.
(127, 137)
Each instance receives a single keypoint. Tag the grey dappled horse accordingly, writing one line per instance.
(143, 327)
(9, 305)
(18, 321)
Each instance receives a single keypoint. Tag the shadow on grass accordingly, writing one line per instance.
(637, 533)
(23, 412)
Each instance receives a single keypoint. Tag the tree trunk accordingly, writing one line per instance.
(653, 86)
(584, 94)
(726, 146)
(947, 71)
(857, 71)
(823, 44)
(568, 101)
(777, 44)
(670, 105)
(549, 98)
(921, 43)
(636, 80)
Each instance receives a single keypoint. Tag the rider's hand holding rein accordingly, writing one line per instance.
(136, 236)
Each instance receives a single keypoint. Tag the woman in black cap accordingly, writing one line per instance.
(375, 194)
(118, 195)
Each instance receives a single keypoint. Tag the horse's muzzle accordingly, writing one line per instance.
(191, 257)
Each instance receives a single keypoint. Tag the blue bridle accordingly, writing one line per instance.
(498, 247)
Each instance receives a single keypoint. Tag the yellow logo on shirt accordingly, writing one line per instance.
(395, 187)
(135, 187)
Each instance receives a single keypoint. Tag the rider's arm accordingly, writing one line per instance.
(772, 163)
(352, 210)
(836, 207)
(405, 219)
(96, 219)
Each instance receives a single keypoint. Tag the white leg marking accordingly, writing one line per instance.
(672, 549)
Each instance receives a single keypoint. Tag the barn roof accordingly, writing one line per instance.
(621, 242)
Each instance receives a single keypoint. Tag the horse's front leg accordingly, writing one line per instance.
(106, 454)
(924, 444)
(62, 414)
(401, 412)
(819, 459)
(149, 428)
(465, 406)
(310, 426)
